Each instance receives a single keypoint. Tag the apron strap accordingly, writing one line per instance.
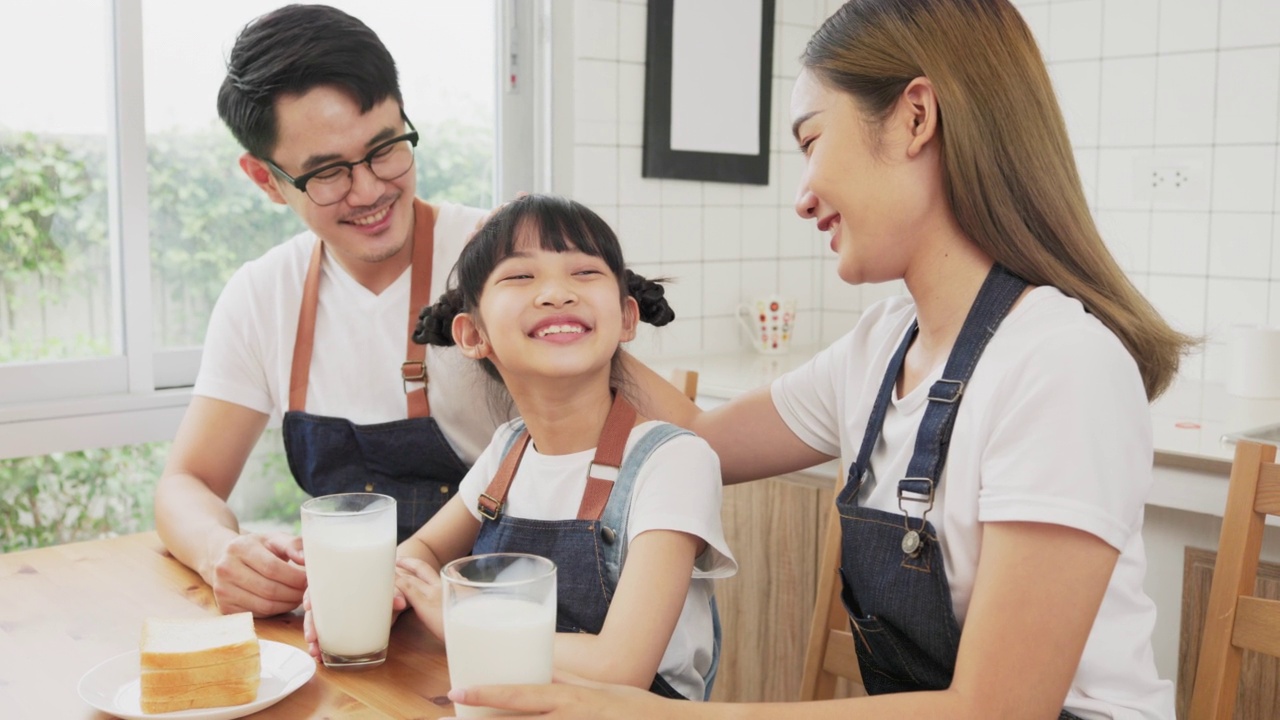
(304, 341)
(609, 450)
(608, 457)
(495, 496)
(414, 368)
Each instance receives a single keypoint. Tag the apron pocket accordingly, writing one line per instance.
(882, 657)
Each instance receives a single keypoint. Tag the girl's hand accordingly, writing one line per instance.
(571, 698)
(398, 604)
(420, 585)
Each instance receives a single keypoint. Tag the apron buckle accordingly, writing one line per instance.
(413, 371)
(946, 391)
(489, 506)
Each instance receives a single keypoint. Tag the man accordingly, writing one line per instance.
(318, 327)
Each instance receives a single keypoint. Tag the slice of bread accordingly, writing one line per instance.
(199, 663)
(245, 667)
(196, 642)
(238, 692)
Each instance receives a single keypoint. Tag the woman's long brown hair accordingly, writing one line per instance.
(1008, 168)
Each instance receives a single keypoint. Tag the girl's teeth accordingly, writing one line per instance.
(557, 329)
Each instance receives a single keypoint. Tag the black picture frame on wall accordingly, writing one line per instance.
(660, 160)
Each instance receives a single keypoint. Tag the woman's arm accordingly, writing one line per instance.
(1036, 594)
(642, 615)
(747, 432)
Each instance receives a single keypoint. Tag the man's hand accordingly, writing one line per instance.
(261, 573)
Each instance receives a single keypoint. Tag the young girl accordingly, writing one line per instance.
(542, 300)
(994, 422)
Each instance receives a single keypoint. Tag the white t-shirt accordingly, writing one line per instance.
(1053, 428)
(678, 488)
(360, 342)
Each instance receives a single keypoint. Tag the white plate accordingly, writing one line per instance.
(114, 686)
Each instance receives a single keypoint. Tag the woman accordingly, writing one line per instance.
(1010, 584)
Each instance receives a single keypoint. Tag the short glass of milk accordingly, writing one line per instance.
(349, 543)
(499, 621)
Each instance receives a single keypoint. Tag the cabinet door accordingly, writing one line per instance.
(772, 528)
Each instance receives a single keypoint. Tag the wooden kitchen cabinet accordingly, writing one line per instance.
(773, 528)
(1258, 696)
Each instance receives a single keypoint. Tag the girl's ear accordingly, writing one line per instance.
(630, 318)
(469, 337)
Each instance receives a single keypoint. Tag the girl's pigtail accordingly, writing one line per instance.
(435, 322)
(649, 295)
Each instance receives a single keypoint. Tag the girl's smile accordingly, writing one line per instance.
(560, 329)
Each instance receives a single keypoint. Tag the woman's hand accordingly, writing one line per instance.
(572, 698)
(420, 584)
(398, 605)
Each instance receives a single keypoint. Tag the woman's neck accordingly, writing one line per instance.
(563, 415)
(944, 280)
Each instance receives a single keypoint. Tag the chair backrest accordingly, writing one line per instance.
(687, 381)
(830, 655)
(1236, 620)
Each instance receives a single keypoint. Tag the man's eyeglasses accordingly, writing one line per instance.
(330, 184)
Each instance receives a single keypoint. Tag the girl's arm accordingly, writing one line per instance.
(642, 616)
(447, 536)
(1036, 594)
(747, 432)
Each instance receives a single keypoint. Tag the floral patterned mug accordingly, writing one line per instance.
(768, 321)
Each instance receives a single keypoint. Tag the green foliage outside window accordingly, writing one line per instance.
(206, 219)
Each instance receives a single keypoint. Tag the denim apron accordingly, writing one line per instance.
(588, 552)
(408, 459)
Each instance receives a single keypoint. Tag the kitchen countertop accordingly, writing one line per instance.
(1188, 421)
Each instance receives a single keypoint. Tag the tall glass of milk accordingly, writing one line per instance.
(499, 621)
(349, 543)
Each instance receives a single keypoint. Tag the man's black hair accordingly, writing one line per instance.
(292, 50)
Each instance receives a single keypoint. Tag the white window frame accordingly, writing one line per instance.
(139, 394)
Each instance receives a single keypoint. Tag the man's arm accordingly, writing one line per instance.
(246, 572)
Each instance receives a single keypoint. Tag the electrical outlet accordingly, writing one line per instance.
(1171, 180)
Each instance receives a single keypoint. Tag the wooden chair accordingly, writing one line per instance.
(830, 655)
(1235, 619)
(687, 381)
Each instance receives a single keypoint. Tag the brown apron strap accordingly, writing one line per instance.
(414, 368)
(609, 450)
(304, 342)
(495, 496)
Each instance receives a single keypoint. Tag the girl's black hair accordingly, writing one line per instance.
(561, 225)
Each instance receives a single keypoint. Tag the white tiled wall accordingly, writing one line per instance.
(1178, 83)
(720, 243)
(1143, 84)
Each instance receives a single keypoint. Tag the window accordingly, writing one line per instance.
(55, 259)
(123, 210)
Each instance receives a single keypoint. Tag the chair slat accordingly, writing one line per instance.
(841, 658)
(1257, 625)
(1268, 500)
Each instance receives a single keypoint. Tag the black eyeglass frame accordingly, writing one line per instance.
(301, 181)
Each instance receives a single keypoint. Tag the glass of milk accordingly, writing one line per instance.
(349, 543)
(499, 621)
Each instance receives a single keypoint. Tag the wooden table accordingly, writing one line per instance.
(64, 609)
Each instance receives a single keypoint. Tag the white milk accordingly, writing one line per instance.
(351, 579)
(498, 640)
